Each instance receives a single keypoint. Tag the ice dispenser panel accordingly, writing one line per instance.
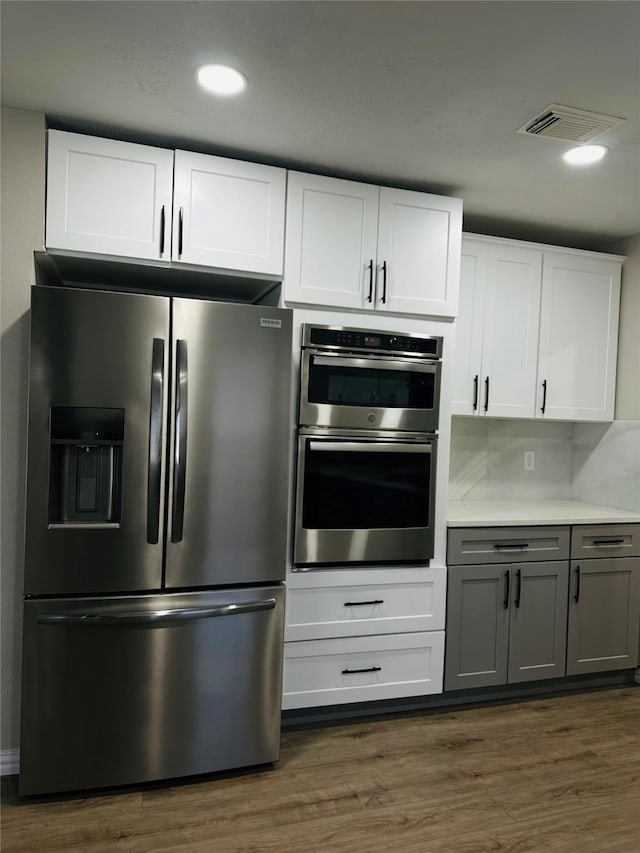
(85, 473)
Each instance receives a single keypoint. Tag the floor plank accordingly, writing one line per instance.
(558, 775)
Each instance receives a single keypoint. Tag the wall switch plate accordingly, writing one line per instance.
(529, 460)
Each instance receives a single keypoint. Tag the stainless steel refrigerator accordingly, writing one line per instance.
(158, 452)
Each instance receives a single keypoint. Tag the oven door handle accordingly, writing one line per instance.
(376, 363)
(369, 447)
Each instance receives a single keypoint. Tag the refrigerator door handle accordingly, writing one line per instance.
(180, 458)
(154, 617)
(154, 477)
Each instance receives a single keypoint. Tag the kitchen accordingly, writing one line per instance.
(476, 445)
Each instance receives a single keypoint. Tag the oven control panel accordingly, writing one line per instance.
(337, 337)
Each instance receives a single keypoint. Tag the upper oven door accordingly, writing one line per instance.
(364, 498)
(369, 392)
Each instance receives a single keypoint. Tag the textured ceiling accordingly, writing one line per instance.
(426, 95)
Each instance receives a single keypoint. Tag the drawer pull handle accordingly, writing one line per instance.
(511, 546)
(358, 671)
(608, 543)
(363, 603)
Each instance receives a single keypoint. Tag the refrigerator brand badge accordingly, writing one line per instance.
(270, 324)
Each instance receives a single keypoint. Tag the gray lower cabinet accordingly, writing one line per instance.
(505, 623)
(604, 615)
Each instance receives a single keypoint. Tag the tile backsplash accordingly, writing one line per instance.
(595, 463)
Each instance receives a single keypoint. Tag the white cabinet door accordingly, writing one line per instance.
(497, 330)
(228, 214)
(510, 341)
(418, 253)
(578, 337)
(467, 365)
(108, 197)
(331, 242)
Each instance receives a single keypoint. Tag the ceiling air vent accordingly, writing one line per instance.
(567, 124)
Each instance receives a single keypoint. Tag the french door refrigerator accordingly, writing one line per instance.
(158, 453)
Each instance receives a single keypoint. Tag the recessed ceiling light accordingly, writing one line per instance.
(221, 79)
(584, 155)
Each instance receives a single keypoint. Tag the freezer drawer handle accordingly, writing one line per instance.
(155, 441)
(358, 671)
(154, 617)
(180, 459)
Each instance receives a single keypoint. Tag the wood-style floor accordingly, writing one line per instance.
(554, 774)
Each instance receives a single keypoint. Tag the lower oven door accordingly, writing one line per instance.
(364, 497)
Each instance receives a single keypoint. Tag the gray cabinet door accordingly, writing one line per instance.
(604, 615)
(538, 622)
(477, 626)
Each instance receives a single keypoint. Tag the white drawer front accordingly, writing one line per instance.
(361, 669)
(318, 610)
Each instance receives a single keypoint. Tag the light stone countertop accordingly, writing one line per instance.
(505, 513)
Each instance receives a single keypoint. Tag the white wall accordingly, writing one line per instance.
(23, 179)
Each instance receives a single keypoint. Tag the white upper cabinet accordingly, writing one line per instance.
(359, 246)
(497, 330)
(108, 197)
(537, 332)
(228, 214)
(578, 337)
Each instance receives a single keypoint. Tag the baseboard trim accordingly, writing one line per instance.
(9, 762)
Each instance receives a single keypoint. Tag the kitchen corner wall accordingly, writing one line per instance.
(593, 463)
(23, 188)
(487, 460)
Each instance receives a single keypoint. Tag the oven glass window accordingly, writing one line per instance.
(365, 490)
(366, 386)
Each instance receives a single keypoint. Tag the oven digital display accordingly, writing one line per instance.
(372, 341)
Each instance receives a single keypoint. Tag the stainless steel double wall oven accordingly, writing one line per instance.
(367, 447)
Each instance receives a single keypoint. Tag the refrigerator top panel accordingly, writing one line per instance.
(230, 444)
(94, 482)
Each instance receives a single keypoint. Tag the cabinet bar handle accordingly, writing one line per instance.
(576, 597)
(486, 393)
(162, 230)
(363, 603)
(544, 396)
(370, 296)
(384, 282)
(519, 587)
(180, 228)
(608, 543)
(356, 671)
(507, 577)
(511, 546)
(475, 392)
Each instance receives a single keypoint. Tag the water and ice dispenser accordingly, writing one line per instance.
(85, 472)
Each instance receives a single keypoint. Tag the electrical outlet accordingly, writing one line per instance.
(529, 460)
